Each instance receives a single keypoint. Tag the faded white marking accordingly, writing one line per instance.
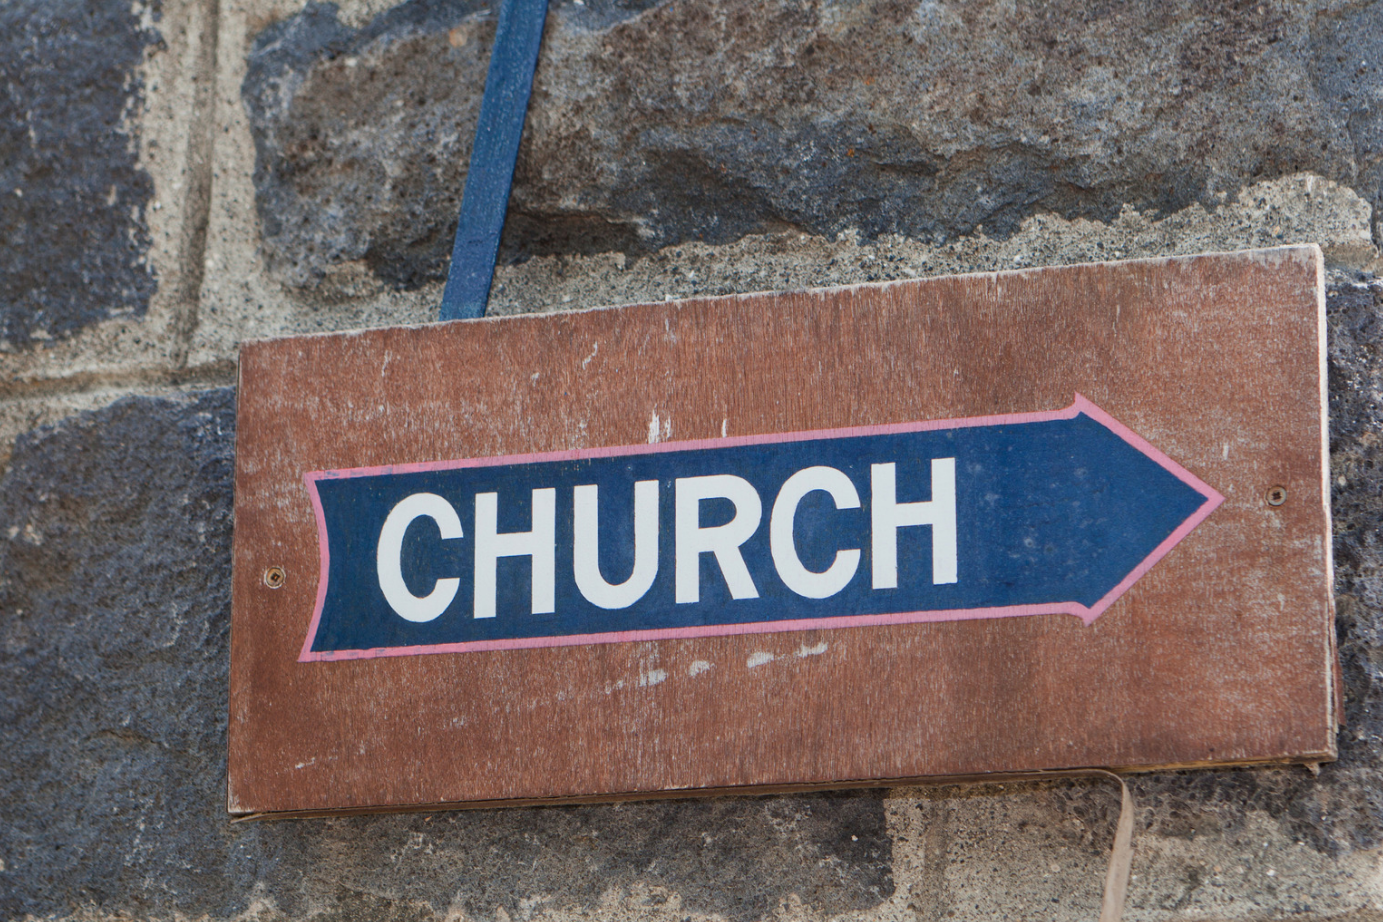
(1226, 451)
(759, 659)
(659, 430)
(699, 667)
(724, 424)
(587, 360)
(652, 677)
(817, 650)
(305, 764)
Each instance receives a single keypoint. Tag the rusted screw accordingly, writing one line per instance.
(274, 577)
(1277, 496)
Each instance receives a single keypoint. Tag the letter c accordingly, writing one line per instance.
(405, 604)
(795, 576)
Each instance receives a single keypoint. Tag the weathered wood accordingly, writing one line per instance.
(1221, 654)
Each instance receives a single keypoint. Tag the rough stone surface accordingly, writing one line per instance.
(706, 121)
(73, 234)
(1356, 410)
(115, 598)
(1349, 73)
(1292, 209)
(1302, 208)
(147, 175)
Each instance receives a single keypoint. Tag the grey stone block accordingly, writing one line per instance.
(1349, 72)
(114, 595)
(73, 230)
(678, 121)
(105, 136)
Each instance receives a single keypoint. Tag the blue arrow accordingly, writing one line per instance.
(1055, 512)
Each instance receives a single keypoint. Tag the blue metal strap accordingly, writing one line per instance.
(486, 198)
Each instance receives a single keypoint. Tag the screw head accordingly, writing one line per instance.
(1277, 496)
(274, 577)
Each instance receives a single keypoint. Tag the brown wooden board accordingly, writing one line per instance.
(1221, 653)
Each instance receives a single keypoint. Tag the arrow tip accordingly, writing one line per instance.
(1213, 500)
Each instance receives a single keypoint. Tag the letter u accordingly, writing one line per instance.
(586, 547)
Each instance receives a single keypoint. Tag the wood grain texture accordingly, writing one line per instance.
(1221, 654)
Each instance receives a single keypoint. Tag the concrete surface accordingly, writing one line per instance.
(197, 172)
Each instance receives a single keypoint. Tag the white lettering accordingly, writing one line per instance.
(888, 515)
(389, 566)
(722, 540)
(795, 576)
(540, 544)
(586, 549)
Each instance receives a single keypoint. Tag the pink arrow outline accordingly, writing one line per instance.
(1080, 405)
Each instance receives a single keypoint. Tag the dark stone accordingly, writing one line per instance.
(733, 856)
(654, 123)
(1349, 72)
(114, 608)
(114, 613)
(73, 246)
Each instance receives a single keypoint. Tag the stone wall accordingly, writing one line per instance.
(178, 176)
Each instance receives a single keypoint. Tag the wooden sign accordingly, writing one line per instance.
(1017, 522)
